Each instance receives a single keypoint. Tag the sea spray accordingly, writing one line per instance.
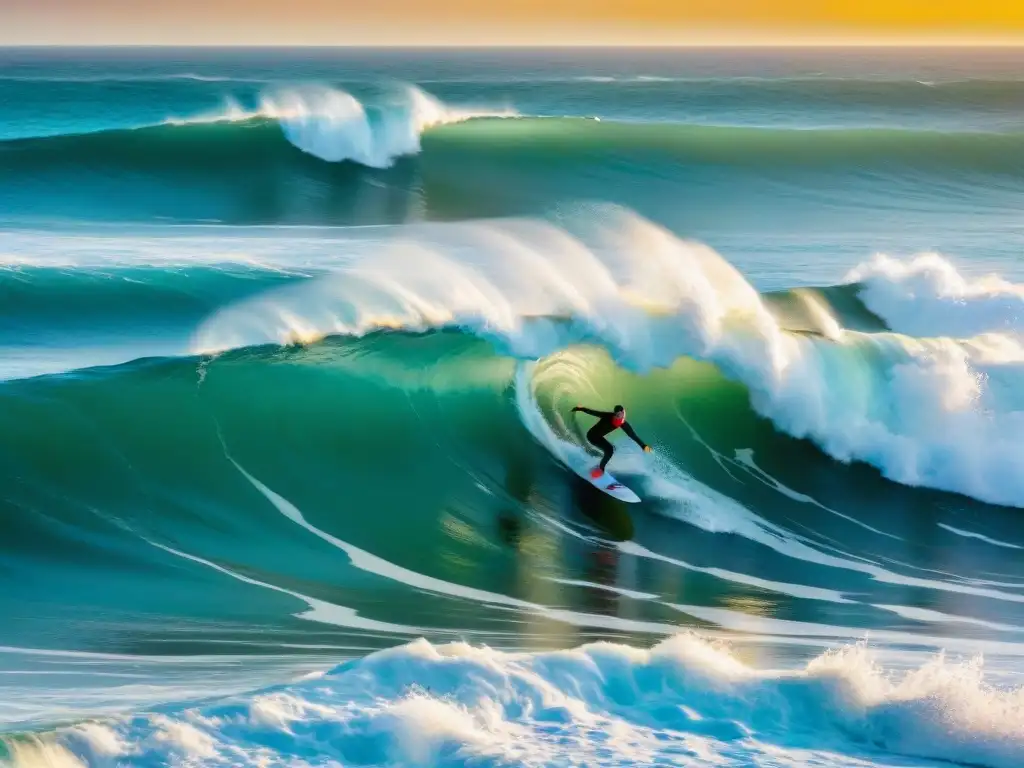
(928, 296)
(334, 125)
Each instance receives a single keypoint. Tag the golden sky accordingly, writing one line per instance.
(489, 22)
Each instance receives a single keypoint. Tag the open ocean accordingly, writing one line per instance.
(288, 345)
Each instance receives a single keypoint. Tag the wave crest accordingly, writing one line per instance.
(927, 296)
(335, 126)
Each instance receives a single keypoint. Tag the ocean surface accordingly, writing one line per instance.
(288, 346)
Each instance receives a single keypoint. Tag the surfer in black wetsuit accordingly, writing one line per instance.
(608, 422)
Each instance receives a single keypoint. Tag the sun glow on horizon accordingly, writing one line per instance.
(697, 23)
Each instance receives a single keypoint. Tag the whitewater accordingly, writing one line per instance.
(683, 702)
(289, 343)
(335, 126)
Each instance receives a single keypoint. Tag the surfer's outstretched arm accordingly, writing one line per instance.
(634, 436)
(592, 412)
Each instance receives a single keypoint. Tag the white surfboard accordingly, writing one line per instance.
(582, 466)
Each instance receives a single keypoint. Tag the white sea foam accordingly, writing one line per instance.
(979, 537)
(928, 296)
(683, 702)
(334, 125)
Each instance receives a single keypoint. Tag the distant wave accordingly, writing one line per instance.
(127, 78)
(324, 122)
(880, 150)
(334, 126)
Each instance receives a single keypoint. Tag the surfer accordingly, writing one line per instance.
(608, 421)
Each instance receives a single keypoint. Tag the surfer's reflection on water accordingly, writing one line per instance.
(602, 568)
(519, 485)
(602, 561)
(607, 514)
(607, 518)
(510, 527)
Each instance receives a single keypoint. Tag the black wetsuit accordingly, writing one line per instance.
(596, 434)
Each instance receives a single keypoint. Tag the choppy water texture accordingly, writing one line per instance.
(289, 346)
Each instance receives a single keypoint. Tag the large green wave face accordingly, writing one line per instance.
(410, 453)
(121, 460)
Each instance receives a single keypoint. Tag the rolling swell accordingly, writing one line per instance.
(309, 155)
(849, 149)
(158, 148)
(260, 169)
(36, 298)
(241, 173)
(235, 145)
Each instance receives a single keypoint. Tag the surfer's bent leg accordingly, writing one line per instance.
(605, 446)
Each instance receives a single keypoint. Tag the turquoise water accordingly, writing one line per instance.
(290, 341)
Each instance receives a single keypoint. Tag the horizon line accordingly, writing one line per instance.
(857, 43)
